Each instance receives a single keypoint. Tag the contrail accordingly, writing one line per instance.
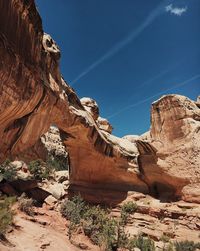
(163, 73)
(121, 44)
(155, 95)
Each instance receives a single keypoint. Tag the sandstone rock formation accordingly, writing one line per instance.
(91, 106)
(131, 138)
(34, 96)
(174, 147)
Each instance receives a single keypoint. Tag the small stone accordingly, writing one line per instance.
(17, 164)
(50, 200)
(45, 245)
(61, 176)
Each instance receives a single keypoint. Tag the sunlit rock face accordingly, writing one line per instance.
(33, 96)
(91, 106)
(171, 157)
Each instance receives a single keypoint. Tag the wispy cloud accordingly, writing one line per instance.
(176, 10)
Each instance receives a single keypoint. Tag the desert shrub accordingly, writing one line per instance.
(42, 170)
(57, 163)
(186, 246)
(130, 243)
(8, 171)
(102, 229)
(26, 205)
(168, 247)
(39, 169)
(73, 209)
(6, 213)
(127, 209)
(123, 239)
(144, 243)
(94, 220)
(99, 227)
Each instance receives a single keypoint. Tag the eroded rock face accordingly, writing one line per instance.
(91, 106)
(171, 159)
(34, 96)
(104, 125)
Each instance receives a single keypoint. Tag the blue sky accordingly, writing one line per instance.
(125, 54)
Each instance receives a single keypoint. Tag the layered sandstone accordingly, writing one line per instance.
(173, 150)
(33, 96)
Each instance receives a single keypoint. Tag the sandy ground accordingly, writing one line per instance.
(34, 236)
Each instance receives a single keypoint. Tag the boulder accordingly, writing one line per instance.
(61, 176)
(17, 164)
(50, 200)
(56, 190)
(91, 106)
(104, 125)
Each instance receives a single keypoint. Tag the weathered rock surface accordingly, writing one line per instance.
(171, 159)
(104, 125)
(131, 138)
(33, 96)
(91, 106)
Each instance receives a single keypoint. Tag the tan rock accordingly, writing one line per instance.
(17, 164)
(131, 138)
(191, 193)
(170, 160)
(104, 125)
(56, 190)
(91, 106)
(61, 176)
(50, 200)
(34, 96)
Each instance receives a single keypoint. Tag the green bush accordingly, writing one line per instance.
(26, 205)
(8, 171)
(102, 229)
(57, 163)
(6, 213)
(123, 239)
(186, 246)
(127, 209)
(73, 209)
(99, 227)
(42, 170)
(144, 243)
(39, 169)
(94, 220)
